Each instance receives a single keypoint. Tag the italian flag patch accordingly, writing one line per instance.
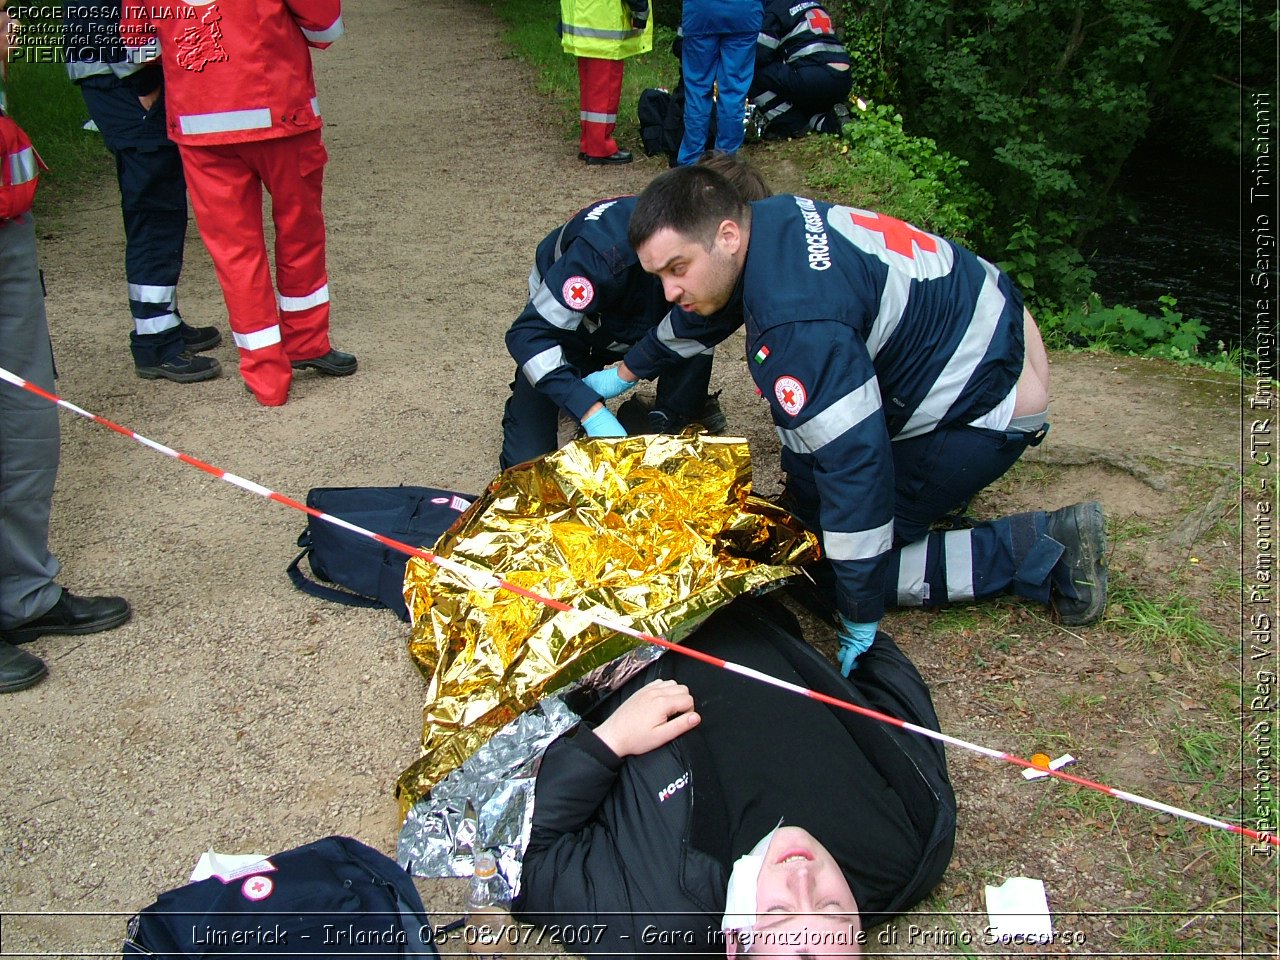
(762, 354)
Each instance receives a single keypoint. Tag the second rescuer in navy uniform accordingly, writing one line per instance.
(903, 375)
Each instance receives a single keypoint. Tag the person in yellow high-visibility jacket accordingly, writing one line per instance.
(601, 34)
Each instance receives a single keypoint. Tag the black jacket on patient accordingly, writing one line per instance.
(634, 855)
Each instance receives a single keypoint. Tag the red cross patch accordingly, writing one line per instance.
(578, 293)
(900, 237)
(257, 888)
(790, 394)
(897, 244)
(819, 22)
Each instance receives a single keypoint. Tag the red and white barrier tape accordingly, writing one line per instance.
(483, 580)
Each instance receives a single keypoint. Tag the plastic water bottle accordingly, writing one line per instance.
(489, 921)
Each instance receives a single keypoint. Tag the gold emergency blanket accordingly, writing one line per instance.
(652, 531)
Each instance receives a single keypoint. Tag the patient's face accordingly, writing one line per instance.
(803, 902)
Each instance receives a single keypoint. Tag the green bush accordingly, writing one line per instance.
(1170, 335)
(876, 164)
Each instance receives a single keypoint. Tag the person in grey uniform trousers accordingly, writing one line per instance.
(31, 603)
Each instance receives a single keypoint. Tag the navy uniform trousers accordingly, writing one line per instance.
(153, 199)
(935, 476)
(28, 433)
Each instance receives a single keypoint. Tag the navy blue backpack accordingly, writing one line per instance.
(368, 573)
(332, 898)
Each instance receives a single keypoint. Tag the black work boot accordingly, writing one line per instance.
(335, 363)
(71, 615)
(186, 367)
(199, 339)
(639, 415)
(19, 669)
(1078, 589)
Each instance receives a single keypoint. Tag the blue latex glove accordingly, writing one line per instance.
(608, 383)
(854, 638)
(602, 423)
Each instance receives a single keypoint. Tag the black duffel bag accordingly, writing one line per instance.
(370, 573)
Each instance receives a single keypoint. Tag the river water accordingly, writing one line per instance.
(1185, 241)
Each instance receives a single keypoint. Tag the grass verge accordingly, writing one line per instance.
(49, 107)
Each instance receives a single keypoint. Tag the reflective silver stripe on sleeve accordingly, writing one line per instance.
(553, 311)
(818, 47)
(594, 33)
(266, 337)
(22, 166)
(166, 321)
(147, 293)
(958, 550)
(78, 71)
(535, 281)
(198, 123)
(861, 545)
(540, 365)
(767, 41)
(681, 346)
(893, 304)
(315, 106)
(327, 35)
(294, 304)
(144, 54)
(559, 245)
(969, 353)
(591, 117)
(912, 590)
(838, 419)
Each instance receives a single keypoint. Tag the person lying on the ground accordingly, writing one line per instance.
(903, 374)
(642, 810)
(589, 301)
(802, 77)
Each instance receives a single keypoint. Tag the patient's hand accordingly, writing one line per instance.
(654, 715)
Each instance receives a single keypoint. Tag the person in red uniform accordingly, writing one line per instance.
(242, 108)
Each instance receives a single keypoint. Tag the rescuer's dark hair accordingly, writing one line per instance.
(693, 201)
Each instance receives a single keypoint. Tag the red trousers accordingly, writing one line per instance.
(225, 184)
(599, 92)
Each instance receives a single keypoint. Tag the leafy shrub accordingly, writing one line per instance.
(1169, 335)
(876, 164)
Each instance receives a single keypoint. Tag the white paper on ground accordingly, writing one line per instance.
(228, 866)
(1019, 907)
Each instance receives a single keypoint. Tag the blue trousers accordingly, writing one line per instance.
(727, 60)
(935, 476)
(530, 417)
(153, 200)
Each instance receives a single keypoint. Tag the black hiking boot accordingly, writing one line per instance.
(1078, 591)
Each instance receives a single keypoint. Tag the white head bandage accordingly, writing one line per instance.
(740, 898)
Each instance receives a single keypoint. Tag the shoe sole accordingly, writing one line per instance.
(155, 373)
(18, 636)
(324, 368)
(15, 685)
